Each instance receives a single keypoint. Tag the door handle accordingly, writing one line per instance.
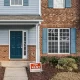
(21, 45)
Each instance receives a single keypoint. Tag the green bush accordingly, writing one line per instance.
(53, 61)
(67, 64)
(77, 58)
(44, 59)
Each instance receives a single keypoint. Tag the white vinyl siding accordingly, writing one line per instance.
(31, 9)
(4, 37)
(32, 36)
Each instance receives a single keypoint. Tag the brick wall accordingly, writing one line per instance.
(31, 53)
(61, 18)
(4, 52)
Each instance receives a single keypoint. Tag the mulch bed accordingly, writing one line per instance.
(46, 74)
(2, 70)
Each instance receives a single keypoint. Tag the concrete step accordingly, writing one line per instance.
(15, 63)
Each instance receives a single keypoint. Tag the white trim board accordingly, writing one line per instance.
(21, 20)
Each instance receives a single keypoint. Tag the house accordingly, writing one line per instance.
(19, 28)
(30, 29)
(60, 29)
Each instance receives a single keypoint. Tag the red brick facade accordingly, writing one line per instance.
(61, 18)
(32, 53)
(4, 52)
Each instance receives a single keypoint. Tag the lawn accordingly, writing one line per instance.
(2, 70)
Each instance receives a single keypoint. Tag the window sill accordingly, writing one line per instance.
(58, 53)
(16, 5)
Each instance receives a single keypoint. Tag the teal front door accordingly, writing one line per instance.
(15, 44)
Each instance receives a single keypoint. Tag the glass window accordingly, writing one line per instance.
(58, 3)
(24, 43)
(16, 2)
(58, 40)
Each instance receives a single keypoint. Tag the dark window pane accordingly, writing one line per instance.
(61, 51)
(24, 38)
(67, 30)
(49, 51)
(24, 48)
(56, 38)
(53, 43)
(56, 50)
(24, 52)
(49, 38)
(56, 30)
(67, 34)
(52, 38)
(50, 47)
(67, 50)
(61, 34)
(56, 43)
(49, 34)
(64, 30)
(50, 43)
(56, 46)
(24, 33)
(53, 34)
(64, 34)
(60, 30)
(49, 30)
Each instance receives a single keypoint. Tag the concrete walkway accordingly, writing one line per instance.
(15, 74)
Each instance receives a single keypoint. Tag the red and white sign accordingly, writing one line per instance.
(35, 67)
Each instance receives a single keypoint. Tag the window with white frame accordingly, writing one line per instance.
(58, 40)
(59, 3)
(16, 2)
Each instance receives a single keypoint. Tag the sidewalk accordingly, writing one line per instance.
(15, 74)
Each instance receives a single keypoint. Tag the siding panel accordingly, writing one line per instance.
(4, 37)
(32, 8)
(32, 36)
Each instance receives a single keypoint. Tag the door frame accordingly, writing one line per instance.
(22, 43)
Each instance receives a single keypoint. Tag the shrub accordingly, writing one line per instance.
(44, 59)
(74, 57)
(67, 64)
(53, 61)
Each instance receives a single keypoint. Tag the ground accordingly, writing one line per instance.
(66, 76)
(51, 73)
(2, 70)
(48, 72)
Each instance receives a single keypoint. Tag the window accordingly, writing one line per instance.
(58, 40)
(16, 2)
(24, 43)
(59, 3)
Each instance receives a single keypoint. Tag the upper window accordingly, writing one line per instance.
(16, 2)
(59, 3)
(58, 40)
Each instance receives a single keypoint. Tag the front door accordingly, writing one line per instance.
(15, 44)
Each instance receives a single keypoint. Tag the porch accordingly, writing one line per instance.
(19, 42)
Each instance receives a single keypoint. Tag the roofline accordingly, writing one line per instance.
(22, 20)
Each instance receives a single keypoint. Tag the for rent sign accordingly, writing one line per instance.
(35, 67)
